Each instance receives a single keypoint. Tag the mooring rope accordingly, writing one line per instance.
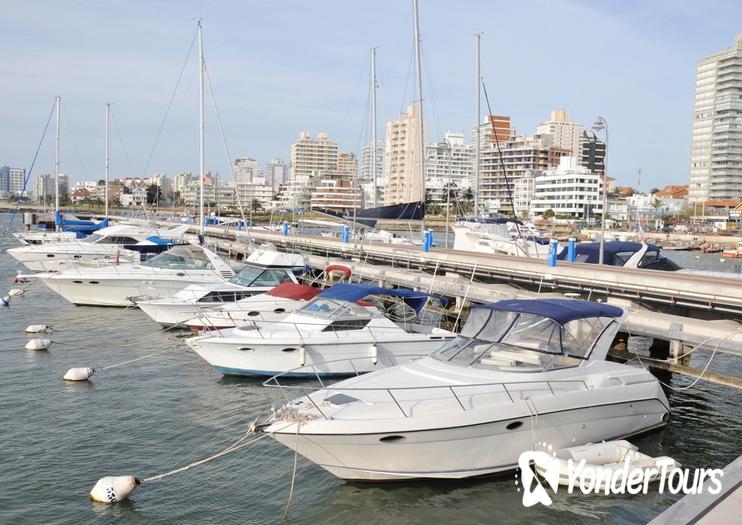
(293, 473)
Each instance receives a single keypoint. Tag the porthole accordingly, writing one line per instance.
(514, 425)
(77, 282)
(392, 439)
(253, 313)
(94, 282)
(288, 349)
(246, 349)
(279, 310)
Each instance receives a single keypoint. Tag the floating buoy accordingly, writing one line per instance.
(37, 328)
(113, 488)
(15, 292)
(38, 344)
(5, 300)
(78, 374)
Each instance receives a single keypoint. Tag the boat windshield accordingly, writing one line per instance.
(325, 308)
(181, 258)
(92, 238)
(523, 342)
(256, 276)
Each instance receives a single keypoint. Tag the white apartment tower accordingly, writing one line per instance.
(312, 156)
(403, 155)
(716, 143)
(449, 161)
(567, 134)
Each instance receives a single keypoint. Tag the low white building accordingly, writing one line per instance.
(570, 191)
(336, 192)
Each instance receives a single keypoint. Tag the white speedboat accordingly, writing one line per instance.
(107, 245)
(119, 285)
(324, 334)
(499, 236)
(273, 305)
(521, 372)
(266, 268)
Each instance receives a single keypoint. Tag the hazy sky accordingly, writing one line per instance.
(280, 67)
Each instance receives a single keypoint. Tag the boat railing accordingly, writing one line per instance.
(510, 389)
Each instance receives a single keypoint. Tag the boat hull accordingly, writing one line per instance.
(468, 450)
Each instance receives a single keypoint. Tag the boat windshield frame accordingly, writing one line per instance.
(192, 260)
(552, 345)
(331, 309)
(259, 272)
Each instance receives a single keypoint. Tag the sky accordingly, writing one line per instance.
(279, 68)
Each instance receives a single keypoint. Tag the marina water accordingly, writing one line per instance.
(148, 417)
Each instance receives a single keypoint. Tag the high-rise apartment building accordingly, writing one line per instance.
(347, 164)
(43, 188)
(16, 180)
(403, 158)
(312, 156)
(716, 143)
(449, 161)
(566, 134)
(276, 174)
(366, 163)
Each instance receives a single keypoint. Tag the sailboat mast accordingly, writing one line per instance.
(108, 114)
(56, 160)
(201, 127)
(373, 124)
(418, 72)
(477, 128)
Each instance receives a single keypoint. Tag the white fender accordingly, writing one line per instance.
(15, 292)
(302, 356)
(78, 374)
(37, 328)
(113, 488)
(38, 344)
(374, 354)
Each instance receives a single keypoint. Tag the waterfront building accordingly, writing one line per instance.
(366, 162)
(403, 157)
(4, 180)
(43, 188)
(336, 192)
(165, 183)
(716, 142)
(566, 134)
(570, 191)
(276, 174)
(449, 161)
(216, 194)
(64, 184)
(592, 153)
(16, 180)
(250, 184)
(313, 155)
(347, 164)
(523, 191)
(180, 184)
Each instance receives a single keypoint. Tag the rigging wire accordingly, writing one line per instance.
(33, 163)
(169, 105)
(226, 148)
(407, 81)
(437, 111)
(83, 167)
(504, 171)
(123, 146)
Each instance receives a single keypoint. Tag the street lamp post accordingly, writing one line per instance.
(601, 124)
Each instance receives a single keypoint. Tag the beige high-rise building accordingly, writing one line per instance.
(347, 164)
(402, 161)
(567, 134)
(312, 156)
(716, 144)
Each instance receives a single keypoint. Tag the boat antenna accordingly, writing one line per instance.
(504, 171)
(56, 161)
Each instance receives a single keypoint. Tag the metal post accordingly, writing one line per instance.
(601, 124)
(373, 124)
(477, 37)
(108, 112)
(56, 161)
(201, 126)
(418, 71)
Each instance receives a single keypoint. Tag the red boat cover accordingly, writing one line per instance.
(297, 292)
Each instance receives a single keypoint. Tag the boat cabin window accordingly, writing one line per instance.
(255, 276)
(620, 258)
(181, 258)
(92, 238)
(658, 263)
(346, 324)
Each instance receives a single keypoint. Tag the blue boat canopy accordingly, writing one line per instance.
(560, 310)
(591, 251)
(356, 292)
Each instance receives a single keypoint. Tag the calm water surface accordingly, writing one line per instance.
(57, 438)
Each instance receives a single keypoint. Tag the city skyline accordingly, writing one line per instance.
(281, 69)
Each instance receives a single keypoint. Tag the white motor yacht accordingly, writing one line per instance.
(107, 245)
(520, 373)
(120, 285)
(499, 236)
(266, 268)
(325, 333)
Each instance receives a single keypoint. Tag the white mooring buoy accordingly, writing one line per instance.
(113, 488)
(37, 328)
(78, 374)
(15, 292)
(38, 344)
